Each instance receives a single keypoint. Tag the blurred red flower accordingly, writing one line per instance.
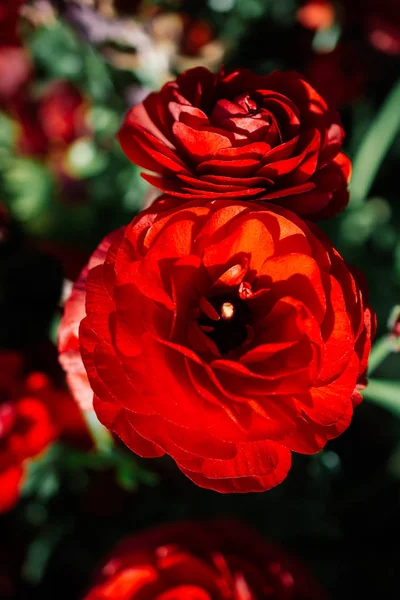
(383, 25)
(226, 334)
(316, 14)
(26, 428)
(15, 64)
(241, 135)
(196, 34)
(223, 560)
(380, 20)
(55, 120)
(33, 413)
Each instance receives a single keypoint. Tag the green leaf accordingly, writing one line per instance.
(8, 133)
(29, 188)
(384, 393)
(57, 51)
(85, 159)
(374, 147)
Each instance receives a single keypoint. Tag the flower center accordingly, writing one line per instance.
(229, 330)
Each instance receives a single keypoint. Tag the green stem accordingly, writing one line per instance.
(375, 145)
(380, 351)
(102, 438)
(384, 393)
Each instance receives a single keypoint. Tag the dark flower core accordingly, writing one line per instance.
(230, 329)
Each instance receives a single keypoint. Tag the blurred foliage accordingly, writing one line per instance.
(339, 510)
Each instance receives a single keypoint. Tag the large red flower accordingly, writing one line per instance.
(25, 426)
(202, 561)
(241, 136)
(226, 334)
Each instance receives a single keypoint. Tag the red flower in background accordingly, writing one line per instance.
(33, 413)
(53, 121)
(380, 20)
(26, 428)
(316, 14)
(222, 560)
(383, 25)
(61, 112)
(15, 64)
(241, 136)
(226, 334)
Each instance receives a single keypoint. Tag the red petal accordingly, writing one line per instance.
(199, 145)
(10, 483)
(257, 467)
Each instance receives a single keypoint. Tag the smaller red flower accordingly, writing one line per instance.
(241, 136)
(211, 560)
(26, 428)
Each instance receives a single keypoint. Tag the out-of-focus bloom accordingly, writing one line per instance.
(316, 14)
(383, 26)
(54, 120)
(338, 75)
(34, 411)
(224, 333)
(222, 560)
(26, 428)
(15, 73)
(150, 39)
(15, 64)
(380, 20)
(241, 135)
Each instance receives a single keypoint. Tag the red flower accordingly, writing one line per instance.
(25, 428)
(55, 120)
(199, 561)
(15, 73)
(226, 334)
(241, 136)
(63, 411)
(61, 112)
(196, 34)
